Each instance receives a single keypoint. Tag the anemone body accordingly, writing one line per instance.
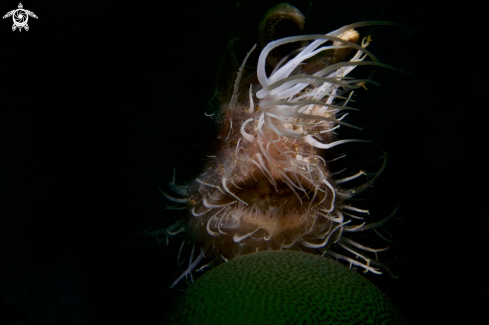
(268, 186)
(283, 287)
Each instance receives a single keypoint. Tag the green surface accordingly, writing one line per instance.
(283, 287)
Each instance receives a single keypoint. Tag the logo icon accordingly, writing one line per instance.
(20, 17)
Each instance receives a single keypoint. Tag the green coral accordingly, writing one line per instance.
(283, 287)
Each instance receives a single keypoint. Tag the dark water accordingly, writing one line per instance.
(99, 101)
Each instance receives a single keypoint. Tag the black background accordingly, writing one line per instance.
(100, 100)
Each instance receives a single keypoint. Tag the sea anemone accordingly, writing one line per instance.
(268, 185)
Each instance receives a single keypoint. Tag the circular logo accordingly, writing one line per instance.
(20, 17)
